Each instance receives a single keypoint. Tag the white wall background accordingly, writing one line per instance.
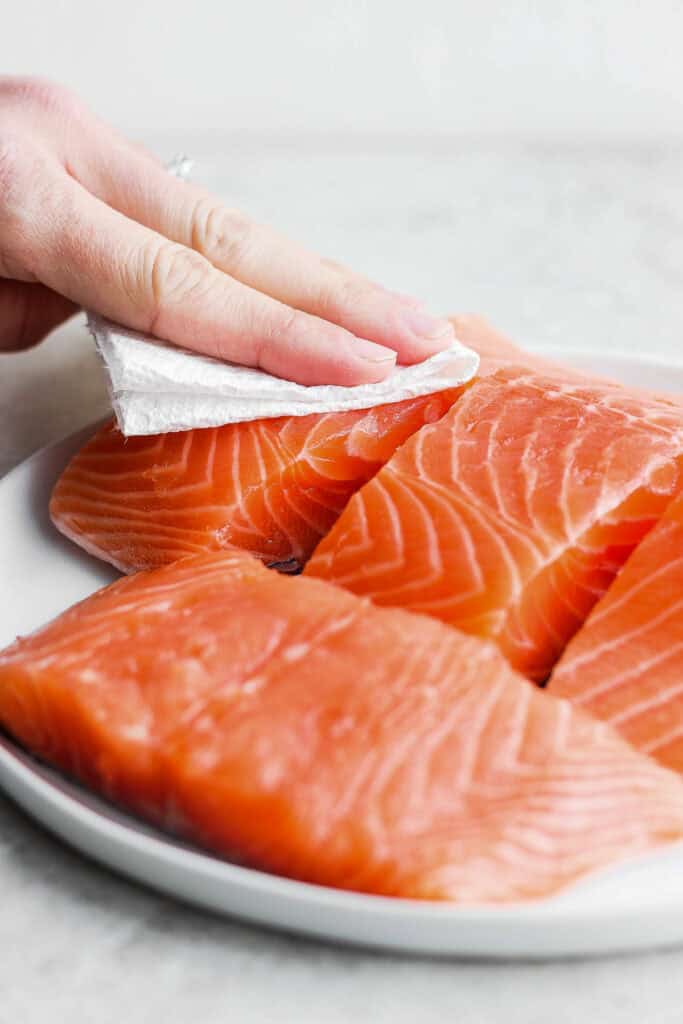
(392, 135)
(212, 69)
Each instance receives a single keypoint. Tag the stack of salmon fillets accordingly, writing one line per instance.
(481, 666)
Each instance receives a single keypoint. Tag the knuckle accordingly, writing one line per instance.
(354, 291)
(173, 274)
(265, 332)
(343, 294)
(220, 232)
(291, 323)
(285, 326)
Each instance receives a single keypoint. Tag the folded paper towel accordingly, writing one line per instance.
(156, 387)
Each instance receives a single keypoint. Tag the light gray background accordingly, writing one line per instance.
(523, 160)
(214, 68)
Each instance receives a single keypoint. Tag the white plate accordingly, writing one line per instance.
(631, 907)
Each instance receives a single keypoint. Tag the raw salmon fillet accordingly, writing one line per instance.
(298, 728)
(497, 352)
(272, 487)
(626, 665)
(511, 515)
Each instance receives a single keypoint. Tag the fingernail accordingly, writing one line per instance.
(373, 353)
(428, 327)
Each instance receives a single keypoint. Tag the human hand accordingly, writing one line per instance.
(88, 219)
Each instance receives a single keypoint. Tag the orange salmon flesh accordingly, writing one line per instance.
(300, 729)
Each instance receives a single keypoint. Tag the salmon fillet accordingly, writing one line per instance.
(291, 725)
(626, 665)
(497, 352)
(273, 487)
(510, 516)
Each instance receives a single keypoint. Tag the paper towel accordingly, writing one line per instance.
(157, 387)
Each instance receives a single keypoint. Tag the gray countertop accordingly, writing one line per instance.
(581, 247)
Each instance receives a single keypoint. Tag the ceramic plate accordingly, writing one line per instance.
(632, 907)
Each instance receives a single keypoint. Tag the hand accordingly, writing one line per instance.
(88, 219)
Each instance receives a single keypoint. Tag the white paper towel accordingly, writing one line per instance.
(157, 387)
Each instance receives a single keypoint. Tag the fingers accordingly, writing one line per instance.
(257, 256)
(28, 312)
(221, 285)
(83, 249)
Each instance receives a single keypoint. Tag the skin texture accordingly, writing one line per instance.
(88, 219)
(249, 711)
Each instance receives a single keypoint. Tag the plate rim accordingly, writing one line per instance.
(339, 916)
